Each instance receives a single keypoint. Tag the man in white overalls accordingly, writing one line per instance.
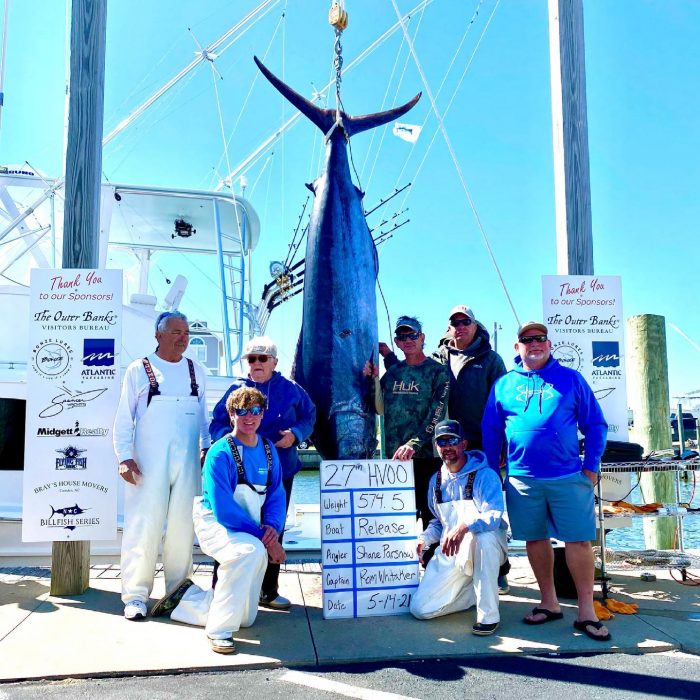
(161, 435)
(238, 521)
(466, 497)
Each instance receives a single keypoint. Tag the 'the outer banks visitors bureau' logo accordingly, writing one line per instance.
(98, 353)
(606, 354)
(51, 358)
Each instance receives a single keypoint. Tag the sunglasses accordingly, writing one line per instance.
(262, 359)
(527, 339)
(445, 441)
(457, 322)
(400, 337)
(253, 410)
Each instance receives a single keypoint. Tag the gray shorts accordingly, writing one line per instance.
(542, 508)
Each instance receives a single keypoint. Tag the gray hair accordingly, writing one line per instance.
(162, 320)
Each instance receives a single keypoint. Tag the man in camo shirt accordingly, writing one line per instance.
(413, 395)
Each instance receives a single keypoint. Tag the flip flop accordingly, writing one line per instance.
(583, 625)
(549, 616)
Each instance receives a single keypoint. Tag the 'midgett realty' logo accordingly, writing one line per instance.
(606, 353)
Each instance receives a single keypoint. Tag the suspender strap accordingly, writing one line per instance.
(193, 382)
(466, 495)
(242, 479)
(153, 389)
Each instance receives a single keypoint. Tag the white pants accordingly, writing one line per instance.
(167, 453)
(445, 587)
(234, 602)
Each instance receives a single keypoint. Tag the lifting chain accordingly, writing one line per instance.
(338, 19)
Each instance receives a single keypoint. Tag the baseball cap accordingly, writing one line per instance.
(260, 345)
(532, 325)
(448, 427)
(408, 322)
(462, 309)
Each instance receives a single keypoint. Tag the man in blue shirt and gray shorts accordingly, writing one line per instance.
(537, 410)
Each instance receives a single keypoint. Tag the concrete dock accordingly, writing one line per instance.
(45, 637)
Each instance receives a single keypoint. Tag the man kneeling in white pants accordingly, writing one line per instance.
(237, 520)
(466, 497)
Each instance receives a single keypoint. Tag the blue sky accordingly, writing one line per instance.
(642, 61)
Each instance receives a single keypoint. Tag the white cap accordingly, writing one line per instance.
(260, 345)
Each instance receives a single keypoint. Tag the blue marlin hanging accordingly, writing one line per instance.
(339, 326)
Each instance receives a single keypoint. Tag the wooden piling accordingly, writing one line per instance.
(647, 371)
(70, 565)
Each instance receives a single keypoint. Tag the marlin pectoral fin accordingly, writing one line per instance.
(354, 125)
(323, 118)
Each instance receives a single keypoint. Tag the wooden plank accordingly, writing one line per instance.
(70, 566)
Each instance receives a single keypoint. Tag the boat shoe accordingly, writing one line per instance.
(169, 602)
(223, 646)
(277, 603)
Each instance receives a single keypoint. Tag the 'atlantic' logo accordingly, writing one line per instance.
(606, 353)
(98, 352)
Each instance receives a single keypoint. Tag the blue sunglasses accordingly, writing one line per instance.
(253, 410)
(445, 441)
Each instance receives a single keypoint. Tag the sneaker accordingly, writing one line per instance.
(135, 610)
(169, 602)
(503, 587)
(277, 603)
(223, 646)
(483, 629)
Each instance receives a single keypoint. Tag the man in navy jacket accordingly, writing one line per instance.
(537, 410)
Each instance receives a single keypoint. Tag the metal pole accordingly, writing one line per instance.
(222, 279)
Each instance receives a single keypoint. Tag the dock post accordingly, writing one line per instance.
(649, 398)
(70, 561)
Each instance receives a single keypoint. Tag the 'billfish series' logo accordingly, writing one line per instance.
(71, 458)
(98, 352)
(606, 353)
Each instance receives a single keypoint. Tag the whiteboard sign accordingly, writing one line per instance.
(368, 535)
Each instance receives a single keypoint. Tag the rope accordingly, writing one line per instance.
(457, 165)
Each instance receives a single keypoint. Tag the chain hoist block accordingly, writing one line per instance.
(337, 16)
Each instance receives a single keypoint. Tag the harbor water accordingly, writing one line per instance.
(306, 490)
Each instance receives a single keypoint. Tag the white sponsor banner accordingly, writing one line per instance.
(73, 385)
(368, 532)
(583, 314)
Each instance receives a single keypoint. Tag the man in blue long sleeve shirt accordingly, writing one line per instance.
(466, 499)
(288, 420)
(238, 521)
(537, 410)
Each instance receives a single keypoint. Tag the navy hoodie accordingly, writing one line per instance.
(538, 412)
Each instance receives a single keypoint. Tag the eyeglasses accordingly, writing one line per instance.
(262, 359)
(445, 441)
(457, 322)
(527, 339)
(400, 337)
(253, 410)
